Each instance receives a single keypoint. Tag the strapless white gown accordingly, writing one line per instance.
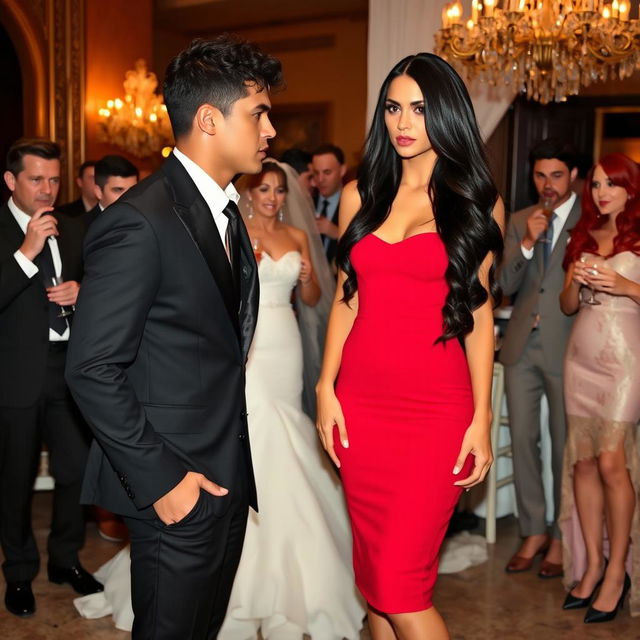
(295, 575)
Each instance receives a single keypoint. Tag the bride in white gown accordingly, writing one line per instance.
(295, 576)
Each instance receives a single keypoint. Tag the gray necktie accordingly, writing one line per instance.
(548, 237)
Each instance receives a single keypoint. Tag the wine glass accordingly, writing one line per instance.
(256, 245)
(547, 209)
(64, 311)
(591, 263)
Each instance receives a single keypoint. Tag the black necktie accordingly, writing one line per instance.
(323, 212)
(232, 239)
(46, 271)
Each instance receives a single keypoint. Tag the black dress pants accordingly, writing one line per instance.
(182, 574)
(55, 420)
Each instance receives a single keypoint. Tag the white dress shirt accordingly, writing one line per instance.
(215, 197)
(562, 213)
(29, 268)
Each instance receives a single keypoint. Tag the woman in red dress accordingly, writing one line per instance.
(410, 339)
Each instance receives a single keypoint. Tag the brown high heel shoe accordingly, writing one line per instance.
(519, 564)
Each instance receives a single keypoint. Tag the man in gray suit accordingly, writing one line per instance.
(534, 345)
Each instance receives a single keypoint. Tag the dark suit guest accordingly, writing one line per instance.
(534, 345)
(36, 245)
(114, 176)
(328, 169)
(87, 199)
(161, 336)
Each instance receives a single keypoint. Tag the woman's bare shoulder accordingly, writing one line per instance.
(350, 204)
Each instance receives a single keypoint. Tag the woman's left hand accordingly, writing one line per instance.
(607, 280)
(305, 271)
(476, 441)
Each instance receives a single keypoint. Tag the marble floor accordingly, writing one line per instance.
(481, 603)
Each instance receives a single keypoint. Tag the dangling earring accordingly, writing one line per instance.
(250, 214)
(281, 215)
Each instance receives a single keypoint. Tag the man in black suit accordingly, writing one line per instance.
(86, 184)
(36, 245)
(114, 176)
(328, 169)
(162, 330)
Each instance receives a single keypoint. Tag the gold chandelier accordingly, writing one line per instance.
(547, 49)
(139, 123)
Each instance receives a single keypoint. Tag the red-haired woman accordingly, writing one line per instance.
(602, 394)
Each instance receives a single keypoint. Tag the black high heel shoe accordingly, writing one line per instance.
(595, 615)
(573, 602)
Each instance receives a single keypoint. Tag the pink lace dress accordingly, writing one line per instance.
(602, 398)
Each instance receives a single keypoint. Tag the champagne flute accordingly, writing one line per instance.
(591, 263)
(547, 209)
(256, 245)
(64, 311)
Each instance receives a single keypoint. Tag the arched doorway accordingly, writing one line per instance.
(11, 122)
(25, 29)
(48, 38)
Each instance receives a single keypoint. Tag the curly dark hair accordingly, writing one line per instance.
(216, 72)
(461, 190)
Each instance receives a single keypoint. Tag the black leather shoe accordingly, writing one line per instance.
(573, 602)
(80, 580)
(595, 615)
(19, 599)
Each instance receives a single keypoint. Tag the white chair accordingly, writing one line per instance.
(44, 481)
(493, 483)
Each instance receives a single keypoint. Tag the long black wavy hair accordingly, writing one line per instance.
(461, 189)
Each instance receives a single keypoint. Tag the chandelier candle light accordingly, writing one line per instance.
(139, 123)
(547, 49)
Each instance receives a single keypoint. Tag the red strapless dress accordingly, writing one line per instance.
(407, 403)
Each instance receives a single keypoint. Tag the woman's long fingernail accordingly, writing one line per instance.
(345, 444)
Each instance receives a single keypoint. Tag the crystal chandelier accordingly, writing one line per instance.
(139, 122)
(547, 49)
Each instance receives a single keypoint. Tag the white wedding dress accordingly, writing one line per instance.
(295, 575)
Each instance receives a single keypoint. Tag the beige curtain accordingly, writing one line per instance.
(398, 28)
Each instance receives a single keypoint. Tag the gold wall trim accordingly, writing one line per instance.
(66, 81)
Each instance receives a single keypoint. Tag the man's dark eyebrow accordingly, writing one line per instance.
(262, 108)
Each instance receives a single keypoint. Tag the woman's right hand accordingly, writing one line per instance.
(329, 415)
(580, 273)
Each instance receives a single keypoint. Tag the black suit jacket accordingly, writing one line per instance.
(73, 209)
(24, 315)
(157, 358)
(91, 215)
